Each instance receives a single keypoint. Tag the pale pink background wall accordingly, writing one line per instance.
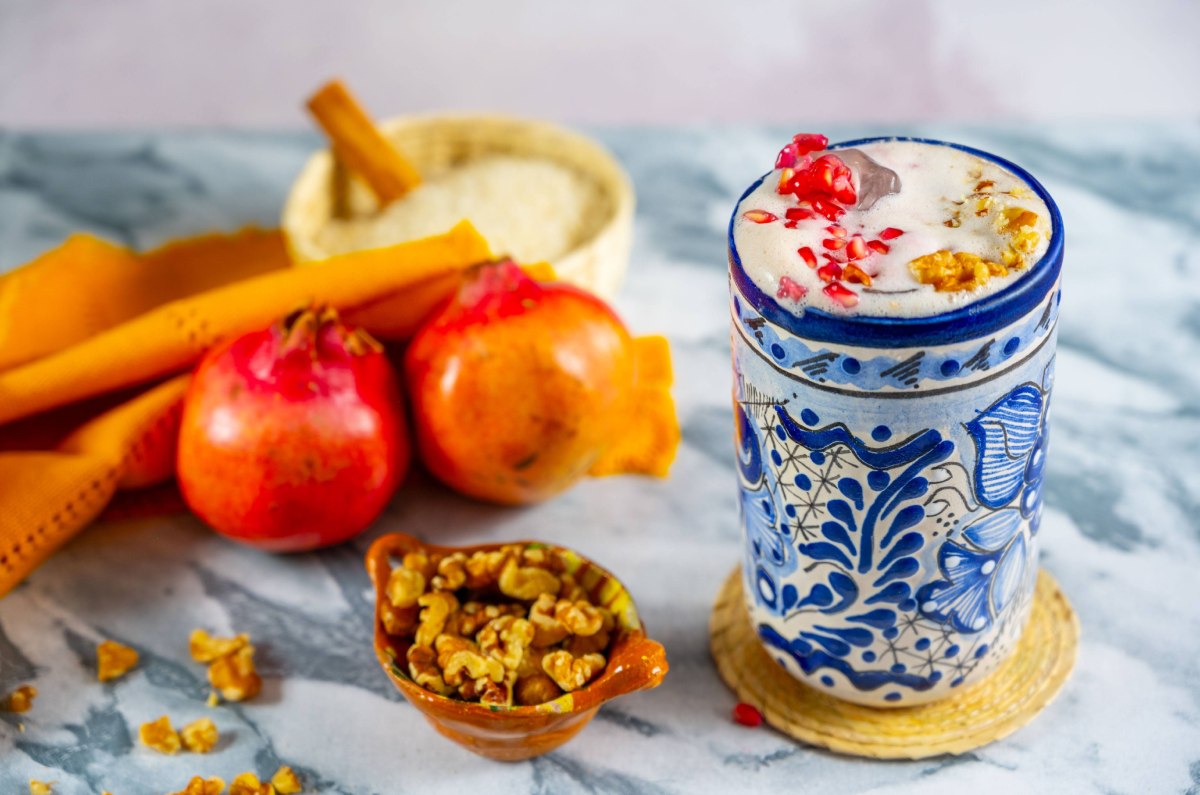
(249, 62)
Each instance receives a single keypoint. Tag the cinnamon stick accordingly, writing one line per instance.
(359, 144)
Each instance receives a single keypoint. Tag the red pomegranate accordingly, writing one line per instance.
(293, 437)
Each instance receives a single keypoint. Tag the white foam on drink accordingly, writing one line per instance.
(932, 179)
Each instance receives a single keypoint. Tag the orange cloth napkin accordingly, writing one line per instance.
(87, 327)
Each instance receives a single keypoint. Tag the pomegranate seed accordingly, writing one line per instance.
(840, 183)
(843, 189)
(791, 224)
(878, 246)
(841, 294)
(830, 272)
(790, 289)
(853, 273)
(806, 254)
(828, 210)
(833, 243)
(826, 176)
(856, 248)
(823, 173)
(787, 156)
(890, 233)
(760, 216)
(835, 230)
(785, 177)
(809, 142)
(747, 715)
(797, 214)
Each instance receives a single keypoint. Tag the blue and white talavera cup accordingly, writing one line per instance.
(890, 475)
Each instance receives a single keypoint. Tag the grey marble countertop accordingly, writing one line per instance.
(1121, 532)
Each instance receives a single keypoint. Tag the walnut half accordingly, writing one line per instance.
(570, 672)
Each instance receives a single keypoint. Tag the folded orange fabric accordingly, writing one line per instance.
(93, 285)
(173, 335)
(156, 327)
(46, 497)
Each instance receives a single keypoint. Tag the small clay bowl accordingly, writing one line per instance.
(512, 733)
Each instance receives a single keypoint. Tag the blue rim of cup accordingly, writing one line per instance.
(974, 320)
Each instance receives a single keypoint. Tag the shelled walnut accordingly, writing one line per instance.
(501, 627)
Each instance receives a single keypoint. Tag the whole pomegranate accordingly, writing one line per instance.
(293, 437)
(518, 388)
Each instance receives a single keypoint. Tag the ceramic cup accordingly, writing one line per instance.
(890, 475)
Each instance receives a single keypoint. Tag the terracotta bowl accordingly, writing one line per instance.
(512, 733)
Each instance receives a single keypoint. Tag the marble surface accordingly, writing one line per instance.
(1121, 532)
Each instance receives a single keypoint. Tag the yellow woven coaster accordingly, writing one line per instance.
(1014, 694)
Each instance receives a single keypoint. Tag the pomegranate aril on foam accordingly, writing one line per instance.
(787, 156)
(827, 210)
(830, 272)
(856, 248)
(841, 294)
(809, 142)
(790, 289)
(856, 275)
(760, 216)
(827, 176)
(823, 187)
(784, 177)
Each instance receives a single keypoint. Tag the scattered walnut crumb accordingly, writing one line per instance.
(205, 648)
(40, 787)
(248, 784)
(286, 782)
(213, 785)
(234, 675)
(114, 660)
(200, 736)
(231, 669)
(160, 736)
(19, 700)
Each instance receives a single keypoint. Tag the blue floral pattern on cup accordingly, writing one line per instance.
(891, 565)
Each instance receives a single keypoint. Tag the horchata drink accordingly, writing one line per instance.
(894, 307)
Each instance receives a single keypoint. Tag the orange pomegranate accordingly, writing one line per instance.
(520, 388)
